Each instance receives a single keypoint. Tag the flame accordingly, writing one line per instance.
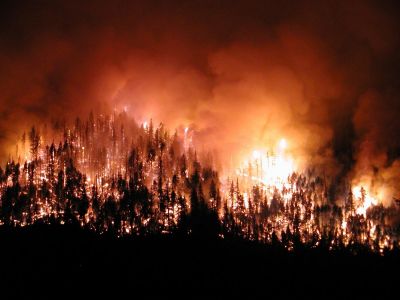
(364, 199)
(268, 168)
(187, 138)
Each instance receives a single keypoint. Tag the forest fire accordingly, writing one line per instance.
(249, 144)
(112, 175)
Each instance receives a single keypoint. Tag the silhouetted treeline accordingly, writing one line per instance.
(99, 176)
(111, 175)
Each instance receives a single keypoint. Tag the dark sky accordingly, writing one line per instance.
(323, 74)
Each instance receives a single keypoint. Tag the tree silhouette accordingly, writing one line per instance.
(114, 175)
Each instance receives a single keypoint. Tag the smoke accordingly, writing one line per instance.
(240, 75)
(376, 123)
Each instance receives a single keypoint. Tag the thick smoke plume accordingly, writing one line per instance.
(240, 74)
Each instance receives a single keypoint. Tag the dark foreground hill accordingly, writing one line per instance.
(57, 261)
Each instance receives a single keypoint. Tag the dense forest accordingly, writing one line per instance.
(111, 175)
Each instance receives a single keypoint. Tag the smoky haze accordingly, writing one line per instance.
(240, 74)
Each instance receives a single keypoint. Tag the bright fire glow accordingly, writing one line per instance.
(363, 199)
(282, 144)
(269, 168)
